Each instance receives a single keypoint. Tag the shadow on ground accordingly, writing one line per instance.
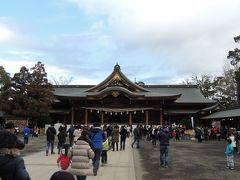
(188, 160)
(34, 145)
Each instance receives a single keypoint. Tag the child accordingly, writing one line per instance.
(105, 148)
(229, 154)
(63, 160)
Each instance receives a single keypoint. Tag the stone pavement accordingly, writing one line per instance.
(120, 165)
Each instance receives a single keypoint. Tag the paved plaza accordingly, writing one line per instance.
(120, 165)
(188, 160)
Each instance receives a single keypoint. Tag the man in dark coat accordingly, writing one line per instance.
(51, 132)
(70, 132)
(137, 136)
(123, 136)
(163, 136)
(11, 164)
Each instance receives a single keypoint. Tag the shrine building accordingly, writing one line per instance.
(119, 100)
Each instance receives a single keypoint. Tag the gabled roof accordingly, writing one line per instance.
(117, 83)
(227, 113)
(117, 78)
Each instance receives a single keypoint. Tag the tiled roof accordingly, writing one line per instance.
(228, 113)
(188, 94)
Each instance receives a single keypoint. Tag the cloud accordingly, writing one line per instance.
(6, 33)
(186, 36)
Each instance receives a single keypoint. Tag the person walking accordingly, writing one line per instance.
(61, 139)
(229, 153)
(163, 136)
(136, 134)
(63, 160)
(154, 132)
(26, 133)
(11, 163)
(81, 153)
(115, 137)
(97, 137)
(70, 132)
(105, 148)
(51, 132)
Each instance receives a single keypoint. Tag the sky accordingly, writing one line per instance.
(154, 41)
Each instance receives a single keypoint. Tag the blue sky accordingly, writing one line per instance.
(154, 41)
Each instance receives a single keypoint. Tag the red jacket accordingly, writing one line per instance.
(64, 161)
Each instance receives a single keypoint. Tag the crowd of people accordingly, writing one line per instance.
(82, 149)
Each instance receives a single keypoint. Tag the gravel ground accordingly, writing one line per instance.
(189, 160)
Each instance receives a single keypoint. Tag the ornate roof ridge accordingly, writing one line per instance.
(117, 77)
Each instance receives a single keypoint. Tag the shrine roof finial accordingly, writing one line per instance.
(117, 67)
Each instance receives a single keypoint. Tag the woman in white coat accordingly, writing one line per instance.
(81, 153)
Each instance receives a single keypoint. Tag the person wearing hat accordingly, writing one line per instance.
(10, 127)
(11, 164)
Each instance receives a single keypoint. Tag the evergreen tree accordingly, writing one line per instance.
(29, 95)
(234, 56)
(5, 85)
(40, 92)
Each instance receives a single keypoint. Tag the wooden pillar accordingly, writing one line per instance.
(146, 117)
(72, 115)
(130, 118)
(161, 116)
(86, 117)
(102, 117)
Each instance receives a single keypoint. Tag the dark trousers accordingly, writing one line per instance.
(96, 160)
(25, 139)
(113, 145)
(154, 140)
(136, 140)
(122, 143)
(60, 146)
(50, 143)
(164, 155)
(104, 156)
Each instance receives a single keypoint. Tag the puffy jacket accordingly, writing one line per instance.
(81, 153)
(12, 167)
(97, 137)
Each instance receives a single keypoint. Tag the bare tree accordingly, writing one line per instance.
(61, 80)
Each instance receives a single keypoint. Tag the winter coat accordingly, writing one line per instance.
(123, 133)
(229, 150)
(12, 165)
(115, 135)
(77, 134)
(62, 137)
(51, 132)
(163, 136)
(81, 153)
(136, 133)
(97, 137)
